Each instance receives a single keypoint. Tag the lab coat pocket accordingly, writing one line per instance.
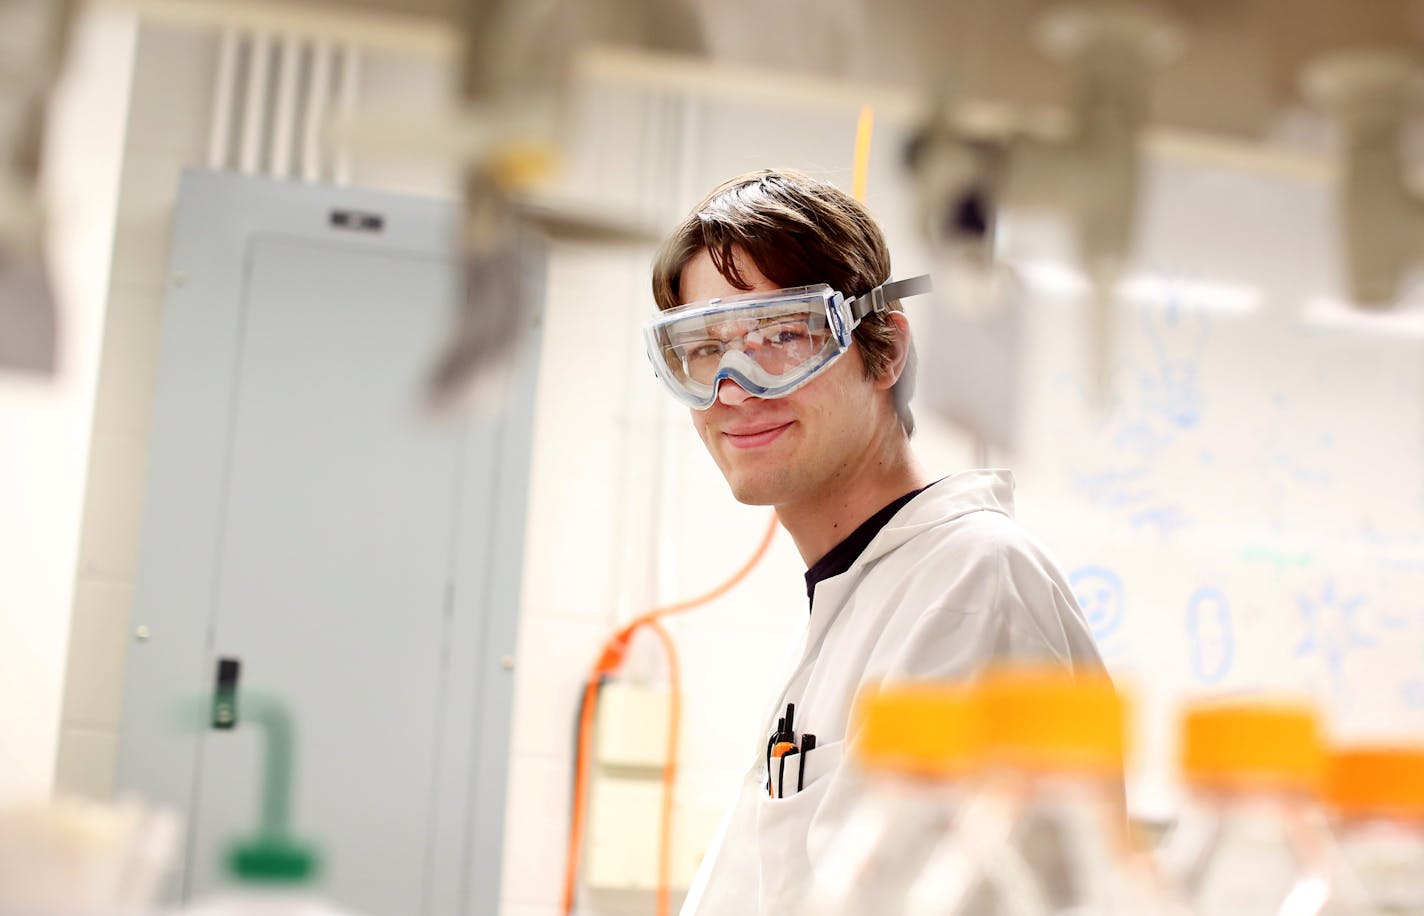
(796, 772)
(783, 825)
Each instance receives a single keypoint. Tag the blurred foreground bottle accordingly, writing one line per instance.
(1253, 839)
(1378, 797)
(1046, 832)
(915, 748)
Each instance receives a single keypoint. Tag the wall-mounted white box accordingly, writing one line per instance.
(626, 798)
(631, 728)
(624, 824)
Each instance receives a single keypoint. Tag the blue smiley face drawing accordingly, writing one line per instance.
(1100, 594)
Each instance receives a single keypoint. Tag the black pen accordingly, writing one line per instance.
(808, 744)
(771, 743)
(782, 740)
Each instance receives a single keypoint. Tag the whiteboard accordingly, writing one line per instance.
(1246, 516)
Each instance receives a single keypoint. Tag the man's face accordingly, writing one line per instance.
(784, 450)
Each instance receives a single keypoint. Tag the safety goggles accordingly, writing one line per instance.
(769, 343)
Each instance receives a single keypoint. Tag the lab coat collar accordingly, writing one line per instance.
(954, 496)
(948, 499)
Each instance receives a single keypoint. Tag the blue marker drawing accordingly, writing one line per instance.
(1115, 489)
(1166, 519)
(1212, 634)
(1299, 472)
(1392, 621)
(1411, 692)
(1175, 396)
(1173, 392)
(1143, 436)
(1294, 459)
(1162, 403)
(1331, 629)
(1125, 491)
(1100, 594)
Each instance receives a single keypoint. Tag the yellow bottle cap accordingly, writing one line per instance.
(1380, 781)
(920, 729)
(1252, 745)
(1049, 719)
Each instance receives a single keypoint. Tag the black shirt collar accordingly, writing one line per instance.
(840, 557)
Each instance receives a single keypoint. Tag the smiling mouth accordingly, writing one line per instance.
(758, 438)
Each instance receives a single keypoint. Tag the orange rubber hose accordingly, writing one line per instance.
(669, 771)
(609, 661)
(720, 590)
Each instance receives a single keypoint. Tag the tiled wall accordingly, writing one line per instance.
(45, 422)
(167, 130)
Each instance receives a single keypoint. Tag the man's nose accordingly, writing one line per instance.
(732, 394)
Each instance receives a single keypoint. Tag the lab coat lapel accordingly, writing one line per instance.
(831, 597)
(953, 497)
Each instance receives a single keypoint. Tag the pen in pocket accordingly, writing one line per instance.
(808, 744)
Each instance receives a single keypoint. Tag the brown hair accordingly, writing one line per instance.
(798, 231)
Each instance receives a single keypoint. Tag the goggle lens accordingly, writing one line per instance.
(778, 345)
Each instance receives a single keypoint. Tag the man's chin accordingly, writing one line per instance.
(754, 499)
(753, 492)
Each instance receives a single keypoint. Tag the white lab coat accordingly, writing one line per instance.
(948, 585)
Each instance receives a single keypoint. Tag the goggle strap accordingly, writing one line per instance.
(876, 299)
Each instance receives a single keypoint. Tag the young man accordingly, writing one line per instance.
(779, 327)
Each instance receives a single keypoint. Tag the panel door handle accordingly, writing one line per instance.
(225, 693)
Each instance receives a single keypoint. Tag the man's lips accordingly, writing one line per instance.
(754, 436)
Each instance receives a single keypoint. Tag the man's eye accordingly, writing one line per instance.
(789, 335)
(707, 350)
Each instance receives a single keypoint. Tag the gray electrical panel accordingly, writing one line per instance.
(313, 533)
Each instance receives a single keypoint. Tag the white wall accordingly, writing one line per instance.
(45, 424)
(166, 130)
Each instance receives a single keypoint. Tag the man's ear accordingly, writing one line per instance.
(900, 355)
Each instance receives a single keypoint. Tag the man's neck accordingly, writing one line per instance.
(820, 523)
